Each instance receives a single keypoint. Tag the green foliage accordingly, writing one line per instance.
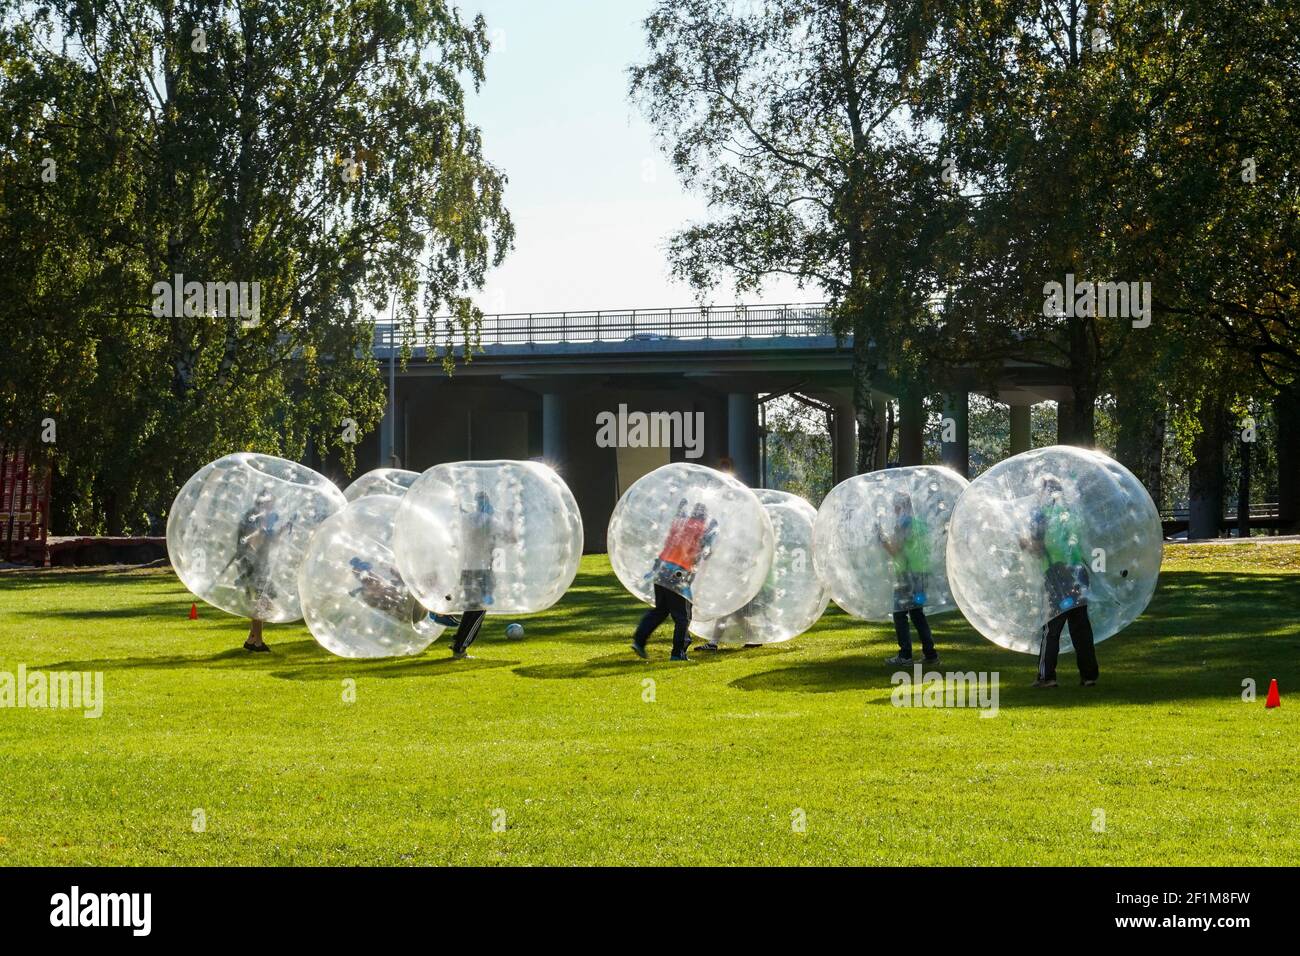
(792, 119)
(319, 151)
(1104, 141)
(799, 450)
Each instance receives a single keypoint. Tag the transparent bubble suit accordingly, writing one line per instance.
(696, 531)
(879, 541)
(792, 598)
(498, 536)
(353, 597)
(239, 529)
(1048, 529)
(381, 481)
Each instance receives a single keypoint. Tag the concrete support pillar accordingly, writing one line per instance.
(845, 441)
(911, 430)
(742, 436)
(715, 430)
(880, 409)
(1020, 432)
(954, 432)
(554, 432)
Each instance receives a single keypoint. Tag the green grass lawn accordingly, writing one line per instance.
(546, 750)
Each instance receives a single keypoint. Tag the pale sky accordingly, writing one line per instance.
(593, 199)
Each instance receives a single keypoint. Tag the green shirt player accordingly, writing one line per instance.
(1055, 536)
(907, 542)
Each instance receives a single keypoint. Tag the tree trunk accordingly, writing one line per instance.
(1141, 444)
(864, 372)
(891, 426)
(1076, 418)
(112, 515)
(1286, 409)
(868, 435)
(1205, 478)
(1243, 492)
(911, 427)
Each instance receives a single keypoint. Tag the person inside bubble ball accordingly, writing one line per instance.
(258, 531)
(672, 573)
(908, 545)
(1055, 539)
(384, 592)
(481, 532)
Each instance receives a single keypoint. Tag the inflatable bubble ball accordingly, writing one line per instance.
(880, 539)
(353, 597)
(381, 481)
(695, 531)
(792, 598)
(498, 536)
(1047, 531)
(239, 529)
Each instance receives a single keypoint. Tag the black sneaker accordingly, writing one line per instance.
(933, 661)
(257, 648)
(679, 657)
(1041, 682)
(898, 660)
(639, 650)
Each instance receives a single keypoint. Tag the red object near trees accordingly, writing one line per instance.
(1274, 698)
(24, 506)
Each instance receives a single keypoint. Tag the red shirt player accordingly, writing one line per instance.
(673, 572)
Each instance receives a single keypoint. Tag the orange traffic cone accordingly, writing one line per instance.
(1274, 698)
(194, 616)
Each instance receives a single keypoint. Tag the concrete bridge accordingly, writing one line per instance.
(540, 380)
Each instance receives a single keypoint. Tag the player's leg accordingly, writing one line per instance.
(1048, 652)
(922, 625)
(651, 619)
(1085, 651)
(470, 623)
(254, 641)
(680, 609)
(904, 636)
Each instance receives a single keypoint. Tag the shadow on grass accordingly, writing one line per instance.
(622, 664)
(1200, 638)
(1203, 633)
(33, 579)
(308, 661)
(421, 665)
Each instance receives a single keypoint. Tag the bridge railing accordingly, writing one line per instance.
(632, 325)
